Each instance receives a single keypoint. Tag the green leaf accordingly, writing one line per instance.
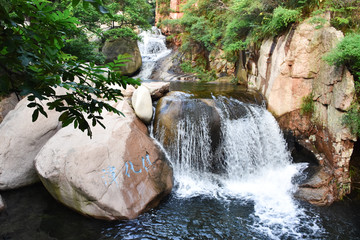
(75, 3)
(41, 109)
(35, 115)
(64, 116)
(31, 105)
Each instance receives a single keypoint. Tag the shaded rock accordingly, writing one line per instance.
(118, 174)
(7, 104)
(113, 48)
(142, 104)
(2, 204)
(21, 140)
(318, 196)
(318, 190)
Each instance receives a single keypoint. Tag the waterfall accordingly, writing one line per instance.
(249, 161)
(152, 48)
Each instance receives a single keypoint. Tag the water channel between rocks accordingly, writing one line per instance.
(234, 179)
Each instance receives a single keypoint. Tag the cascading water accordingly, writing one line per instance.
(152, 48)
(249, 161)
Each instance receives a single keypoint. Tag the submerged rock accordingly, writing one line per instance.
(21, 140)
(118, 174)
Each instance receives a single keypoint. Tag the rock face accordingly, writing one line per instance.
(117, 174)
(142, 104)
(318, 189)
(290, 68)
(174, 13)
(7, 104)
(21, 140)
(113, 48)
(218, 63)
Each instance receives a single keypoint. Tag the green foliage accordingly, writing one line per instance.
(164, 7)
(122, 18)
(84, 50)
(347, 53)
(203, 75)
(233, 24)
(345, 14)
(307, 105)
(279, 21)
(352, 119)
(33, 63)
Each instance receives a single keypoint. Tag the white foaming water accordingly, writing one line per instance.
(257, 168)
(152, 48)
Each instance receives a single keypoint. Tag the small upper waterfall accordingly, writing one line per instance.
(152, 48)
(224, 148)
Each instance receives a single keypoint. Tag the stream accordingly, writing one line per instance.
(240, 186)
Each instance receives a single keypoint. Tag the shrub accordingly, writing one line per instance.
(307, 105)
(280, 20)
(352, 119)
(347, 53)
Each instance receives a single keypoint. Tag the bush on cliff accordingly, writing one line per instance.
(347, 53)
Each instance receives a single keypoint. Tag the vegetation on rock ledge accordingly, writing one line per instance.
(347, 53)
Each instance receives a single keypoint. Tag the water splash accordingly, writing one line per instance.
(256, 166)
(152, 48)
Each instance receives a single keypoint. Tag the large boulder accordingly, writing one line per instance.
(177, 114)
(117, 174)
(113, 48)
(142, 104)
(21, 140)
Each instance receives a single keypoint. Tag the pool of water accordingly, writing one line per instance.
(33, 214)
(210, 89)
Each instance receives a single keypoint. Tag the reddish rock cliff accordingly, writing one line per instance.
(289, 68)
